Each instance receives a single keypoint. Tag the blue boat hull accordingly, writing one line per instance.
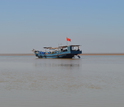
(60, 55)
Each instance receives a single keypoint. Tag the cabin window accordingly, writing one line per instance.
(64, 49)
(75, 48)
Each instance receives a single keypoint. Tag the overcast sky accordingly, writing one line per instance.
(97, 25)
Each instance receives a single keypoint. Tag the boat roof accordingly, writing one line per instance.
(68, 46)
(50, 48)
(60, 47)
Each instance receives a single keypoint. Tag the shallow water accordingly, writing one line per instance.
(92, 81)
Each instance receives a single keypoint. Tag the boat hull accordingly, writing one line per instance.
(60, 55)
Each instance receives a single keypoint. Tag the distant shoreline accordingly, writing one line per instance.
(30, 54)
(102, 54)
(17, 54)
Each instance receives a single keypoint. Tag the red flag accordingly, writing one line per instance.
(68, 39)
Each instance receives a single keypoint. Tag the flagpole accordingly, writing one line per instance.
(66, 41)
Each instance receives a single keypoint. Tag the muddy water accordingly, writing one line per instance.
(92, 81)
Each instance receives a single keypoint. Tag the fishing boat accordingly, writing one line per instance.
(59, 52)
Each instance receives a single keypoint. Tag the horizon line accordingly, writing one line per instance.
(31, 54)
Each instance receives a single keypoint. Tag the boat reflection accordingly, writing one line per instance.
(55, 65)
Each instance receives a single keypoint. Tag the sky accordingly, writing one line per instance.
(96, 25)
